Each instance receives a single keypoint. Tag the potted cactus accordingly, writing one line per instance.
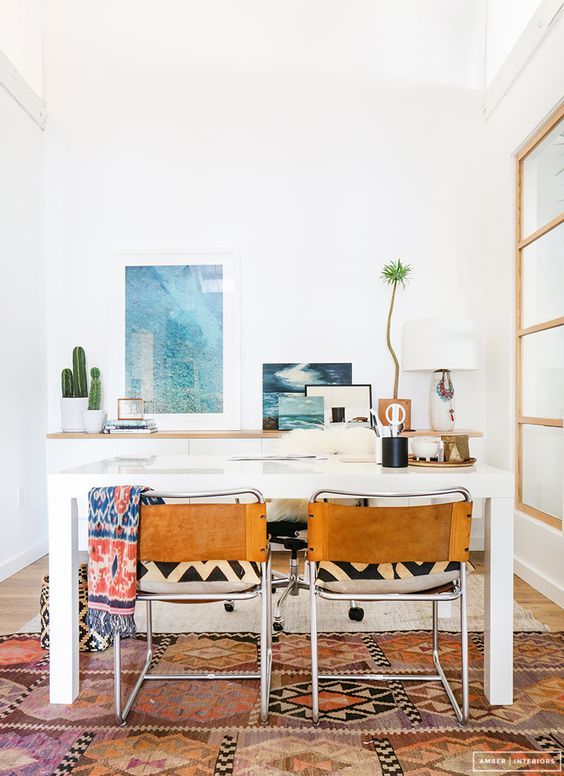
(94, 417)
(74, 392)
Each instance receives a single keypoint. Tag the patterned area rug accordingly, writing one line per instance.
(196, 728)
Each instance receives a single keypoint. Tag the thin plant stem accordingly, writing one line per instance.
(389, 342)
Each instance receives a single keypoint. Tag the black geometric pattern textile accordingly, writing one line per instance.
(342, 571)
(88, 638)
(388, 760)
(199, 571)
(74, 754)
(226, 757)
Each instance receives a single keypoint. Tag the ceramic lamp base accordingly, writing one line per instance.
(441, 399)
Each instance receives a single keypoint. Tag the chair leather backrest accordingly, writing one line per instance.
(176, 533)
(435, 532)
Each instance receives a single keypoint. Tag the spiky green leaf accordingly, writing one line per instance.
(395, 272)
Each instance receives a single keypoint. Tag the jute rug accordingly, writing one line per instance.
(197, 728)
(333, 616)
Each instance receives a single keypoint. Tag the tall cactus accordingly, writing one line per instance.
(67, 384)
(95, 395)
(79, 372)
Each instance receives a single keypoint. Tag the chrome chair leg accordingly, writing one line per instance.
(464, 645)
(440, 673)
(313, 645)
(149, 618)
(117, 680)
(265, 641)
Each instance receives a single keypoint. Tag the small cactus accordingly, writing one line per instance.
(79, 373)
(67, 384)
(95, 396)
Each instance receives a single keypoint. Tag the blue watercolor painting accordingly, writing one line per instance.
(297, 411)
(174, 337)
(287, 379)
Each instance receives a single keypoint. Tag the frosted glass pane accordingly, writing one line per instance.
(542, 278)
(543, 468)
(543, 373)
(542, 186)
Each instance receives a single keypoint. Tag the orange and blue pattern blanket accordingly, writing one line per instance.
(113, 528)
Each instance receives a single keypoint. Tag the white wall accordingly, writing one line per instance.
(317, 139)
(539, 549)
(20, 38)
(506, 21)
(22, 340)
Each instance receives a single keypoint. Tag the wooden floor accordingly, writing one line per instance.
(19, 596)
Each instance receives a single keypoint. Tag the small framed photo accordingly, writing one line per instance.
(130, 409)
(344, 403)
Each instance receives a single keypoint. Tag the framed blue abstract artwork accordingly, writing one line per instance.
(179, 347)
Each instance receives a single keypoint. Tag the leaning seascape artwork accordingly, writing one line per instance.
(297, 411)
(284, 380)
(174, 337)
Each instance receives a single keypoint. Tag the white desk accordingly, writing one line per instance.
(277, 480)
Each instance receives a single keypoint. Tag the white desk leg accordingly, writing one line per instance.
(498, 601)
(63, 597)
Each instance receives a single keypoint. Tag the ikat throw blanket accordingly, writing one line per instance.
(113, 526)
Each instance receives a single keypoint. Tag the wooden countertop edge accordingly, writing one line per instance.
(235, 434)
(252, 434)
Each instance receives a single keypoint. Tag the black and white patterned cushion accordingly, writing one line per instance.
(203, 576)
(406, 577)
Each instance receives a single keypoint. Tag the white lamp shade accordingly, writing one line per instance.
(439, 343)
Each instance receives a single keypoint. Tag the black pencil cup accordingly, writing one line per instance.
(394, 452)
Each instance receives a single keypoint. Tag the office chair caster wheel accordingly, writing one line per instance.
(229, 607)
(356, 613)
(278, 626)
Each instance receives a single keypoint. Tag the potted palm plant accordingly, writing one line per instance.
(394, 274)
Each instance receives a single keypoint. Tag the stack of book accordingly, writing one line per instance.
(130, 427)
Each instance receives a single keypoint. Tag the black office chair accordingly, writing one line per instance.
(292, 536)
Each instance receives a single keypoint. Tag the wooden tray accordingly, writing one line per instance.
(441, 464)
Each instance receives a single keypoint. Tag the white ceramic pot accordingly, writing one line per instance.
(425, 447)
(442, 401)
(94, 421)
(72, 414)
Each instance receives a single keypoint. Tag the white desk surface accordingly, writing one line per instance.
(282, 478)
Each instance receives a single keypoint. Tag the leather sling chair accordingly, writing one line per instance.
(386, 553)
(196, 553)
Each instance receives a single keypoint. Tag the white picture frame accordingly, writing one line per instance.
(356, 399)
(229, 416)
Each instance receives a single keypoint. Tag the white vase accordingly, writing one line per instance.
(442, 401)
(94, 421)
(71, 414)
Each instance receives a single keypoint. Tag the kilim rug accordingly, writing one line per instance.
(197, 728)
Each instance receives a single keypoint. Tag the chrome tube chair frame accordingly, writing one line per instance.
(459, 592)
(264, 591)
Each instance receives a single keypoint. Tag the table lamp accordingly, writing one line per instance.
(439, 345)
